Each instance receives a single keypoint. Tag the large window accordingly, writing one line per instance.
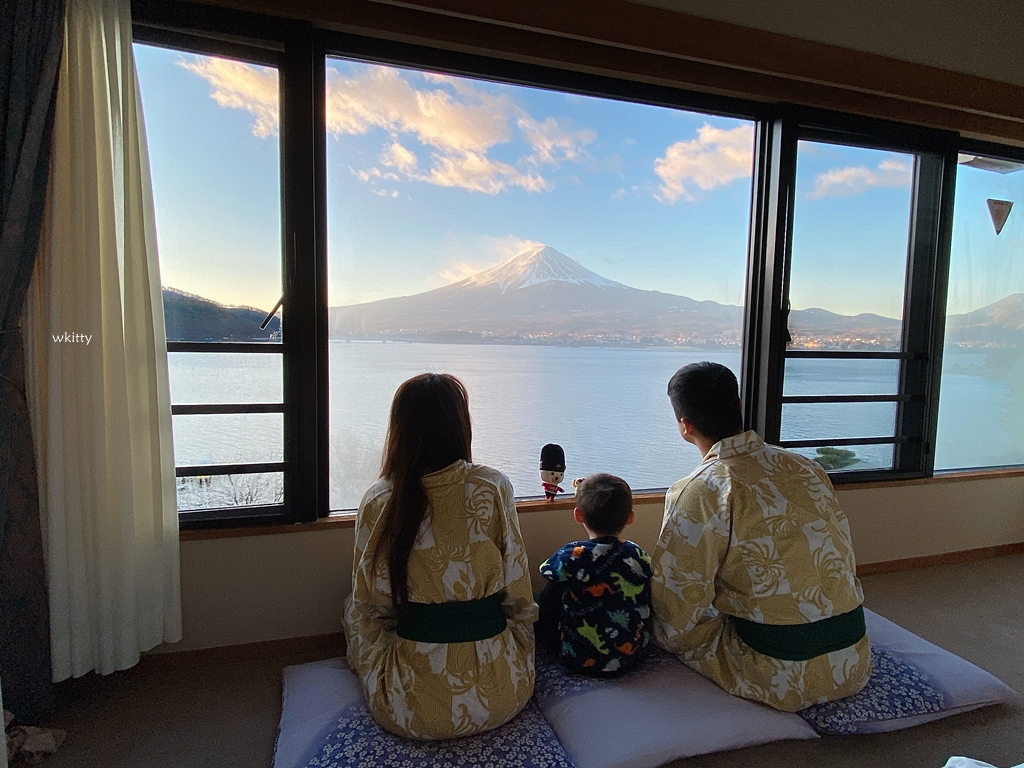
(561, 254)
(336, 214)
(216, 180)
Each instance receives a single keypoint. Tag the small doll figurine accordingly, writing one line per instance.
(552, 469)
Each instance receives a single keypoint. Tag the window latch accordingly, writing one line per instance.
(266, 321)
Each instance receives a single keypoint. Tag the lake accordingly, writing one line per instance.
(606, 406)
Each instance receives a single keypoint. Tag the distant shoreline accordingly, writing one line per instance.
(589, 344)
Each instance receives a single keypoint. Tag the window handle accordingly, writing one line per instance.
(266, 322)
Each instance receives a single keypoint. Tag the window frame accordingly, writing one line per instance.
(301, 51)
(287, 47)
(929, 238)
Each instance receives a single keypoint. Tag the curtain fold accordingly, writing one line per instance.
(30, 50)
(97, 365)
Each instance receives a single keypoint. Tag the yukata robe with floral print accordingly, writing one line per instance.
(756, 532)
(468, 547)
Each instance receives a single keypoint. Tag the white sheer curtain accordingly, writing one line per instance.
(97, 365)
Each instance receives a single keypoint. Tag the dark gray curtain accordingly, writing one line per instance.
(31, 36)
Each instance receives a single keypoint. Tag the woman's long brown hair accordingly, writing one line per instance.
(429, 429)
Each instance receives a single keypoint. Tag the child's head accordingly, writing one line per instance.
(604, 504)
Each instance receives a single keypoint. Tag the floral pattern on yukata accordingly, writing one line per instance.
(555, 682)
(756, 532)
(527, 741)
(468, 547)
(895, 690)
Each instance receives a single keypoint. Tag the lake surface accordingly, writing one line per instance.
(607, 407)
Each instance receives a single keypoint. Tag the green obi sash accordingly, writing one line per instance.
(800, 642)
(458, 622)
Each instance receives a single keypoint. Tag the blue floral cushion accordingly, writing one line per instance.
(526, 741)
(895, 690)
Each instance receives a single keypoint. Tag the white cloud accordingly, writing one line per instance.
(397, 156)
(241, 86)
(458, 123)
(716, 157)
(853, 180)
(553, 143)
(454, 123)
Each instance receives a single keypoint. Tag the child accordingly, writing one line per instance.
(595, 613)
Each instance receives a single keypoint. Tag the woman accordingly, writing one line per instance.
(440, 619)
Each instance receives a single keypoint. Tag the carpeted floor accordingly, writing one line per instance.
(226, 716)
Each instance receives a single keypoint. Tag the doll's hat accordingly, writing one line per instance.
(552, 458)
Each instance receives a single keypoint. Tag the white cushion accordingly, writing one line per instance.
(314, 697)
(660, 712)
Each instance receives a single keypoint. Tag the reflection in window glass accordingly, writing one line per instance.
(849, 259)
(563, 255)
(981, 404)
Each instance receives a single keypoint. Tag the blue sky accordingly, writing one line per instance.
(432, 177)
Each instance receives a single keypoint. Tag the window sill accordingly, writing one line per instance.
(339, 520)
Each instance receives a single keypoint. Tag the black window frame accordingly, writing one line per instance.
(302, 51)
(920, 355)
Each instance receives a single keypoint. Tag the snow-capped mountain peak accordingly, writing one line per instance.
(540, 264)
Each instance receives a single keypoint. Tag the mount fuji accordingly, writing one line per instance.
(541, 296)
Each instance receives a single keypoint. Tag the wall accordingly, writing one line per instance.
(253, 588)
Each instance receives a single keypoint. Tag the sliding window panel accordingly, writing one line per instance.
(561, 254)
(981, 408)
(213, 128)
(852, 236)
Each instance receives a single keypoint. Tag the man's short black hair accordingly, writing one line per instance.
(605, 501)
(707, 394)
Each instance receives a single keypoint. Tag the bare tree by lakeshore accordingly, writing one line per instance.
(243, 490)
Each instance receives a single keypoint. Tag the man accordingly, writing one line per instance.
(755, 583)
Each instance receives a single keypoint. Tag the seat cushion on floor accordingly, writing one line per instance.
(913, 682)
(526, 741)
(657, 713)
(325, 724)
(314, 697)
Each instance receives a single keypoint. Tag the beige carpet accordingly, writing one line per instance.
(226, 716)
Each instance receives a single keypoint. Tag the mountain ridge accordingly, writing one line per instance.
(543, 296)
